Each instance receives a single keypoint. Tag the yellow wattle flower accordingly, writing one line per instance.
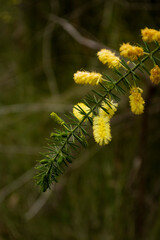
(84, 77)
(77, 111)
(157, 36)
(110, 109)
(155, 74)
(136, 100)
(109, 58)
(101, 130)
(131, 52)
(150, 35)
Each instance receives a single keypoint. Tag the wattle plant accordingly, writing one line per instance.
(97, 109)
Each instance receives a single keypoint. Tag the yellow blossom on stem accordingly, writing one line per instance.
(111, 108)
(101, 130)
(84, 77)
(109, 58)
(136, 100)
(150, 35)
(131, 52)
(155, 74)
(157, 37)
(77, 111)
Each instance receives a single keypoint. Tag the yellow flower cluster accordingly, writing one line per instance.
(150, 35)
(155, 74)
(111, 108)
(84, 77)
(77, 111)
(101, 130)
(131, 52)
(136, 100)
(108, 57)
(101, 123)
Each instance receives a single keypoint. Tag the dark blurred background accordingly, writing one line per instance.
(109, 193)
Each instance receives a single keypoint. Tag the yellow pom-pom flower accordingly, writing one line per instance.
(136, 100)
(111, 108)
(131, 52)
(101, 130)
(150, 35)
(77, 111)
(155, 74)
(84, 77)
(109, 58)
(157, 36)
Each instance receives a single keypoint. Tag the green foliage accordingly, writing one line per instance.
(98, 182)
(62, 144)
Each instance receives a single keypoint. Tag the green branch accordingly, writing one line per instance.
(52, 166)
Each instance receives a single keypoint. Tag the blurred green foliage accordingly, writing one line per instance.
(104, 197)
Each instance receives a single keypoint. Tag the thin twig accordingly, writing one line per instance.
(19, 182)
(68, 27)
(19, 149)
(34, 107)
(38, 204)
